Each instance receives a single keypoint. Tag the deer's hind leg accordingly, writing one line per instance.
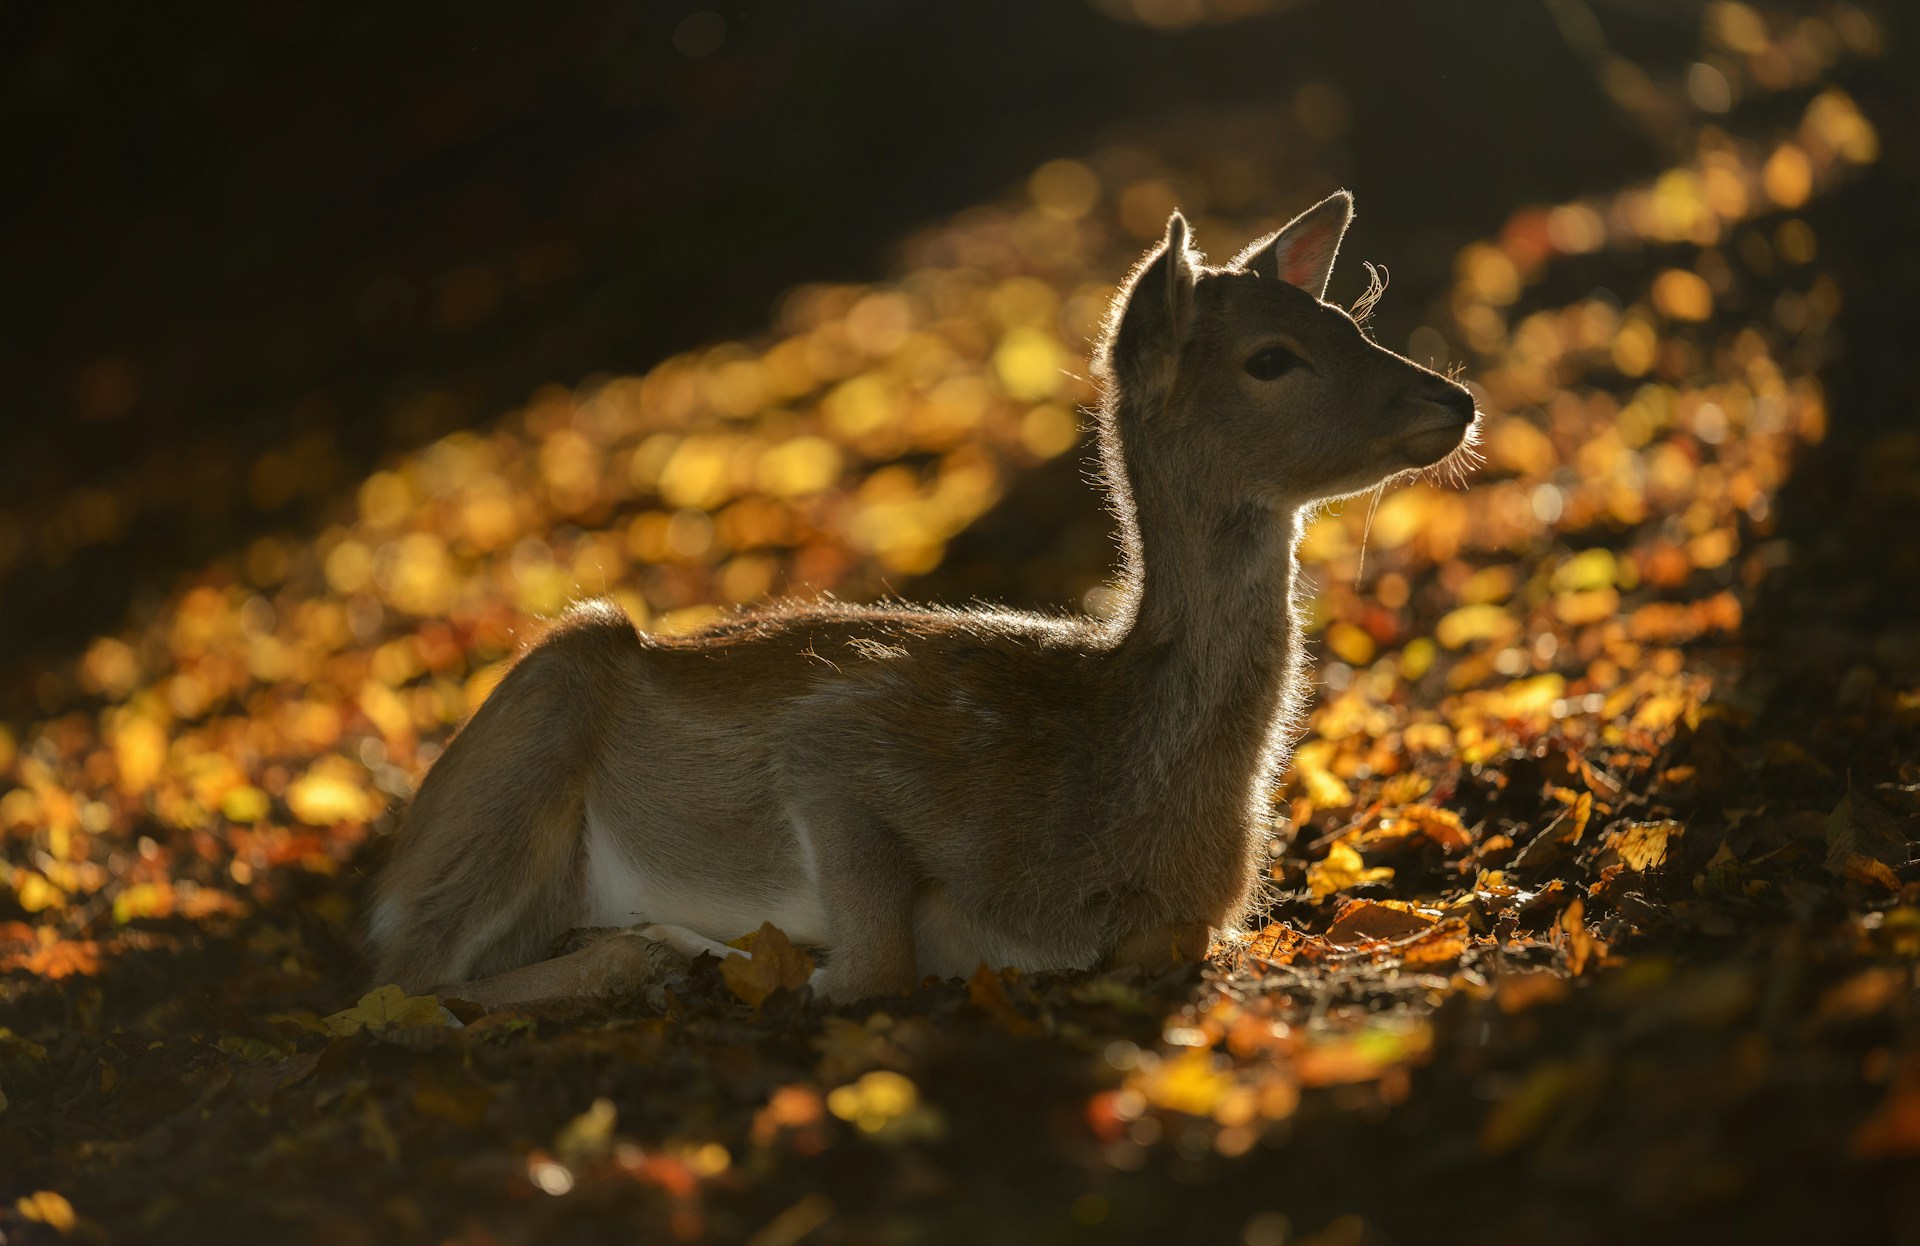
(486, 874)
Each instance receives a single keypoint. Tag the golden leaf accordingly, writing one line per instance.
(1582, 948)
(773, 964)
(1342, 869)
(1643, 845)
(987, 991)
(48, 1208)
(389, 1007)
(1364, 921)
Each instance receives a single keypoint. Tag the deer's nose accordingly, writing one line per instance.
(1455, 398)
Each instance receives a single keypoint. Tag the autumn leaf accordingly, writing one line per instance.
(1640, 846)
(1192, 1081)
(389, 1008)
(1442, 826)
(886, 1105)
(772, 964)
(849, 1048)
(1582, 947)
(47, 1207)
(1281, 944)
(1342, 869)
(1366, 921)
(987, 990)
(1441, 945)
(244, 1047)
(589, 1135)
(1582, 814)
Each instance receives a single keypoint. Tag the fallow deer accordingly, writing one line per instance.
(915, 792)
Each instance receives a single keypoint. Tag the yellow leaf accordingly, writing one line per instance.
(48, 1208)
(333, 791)
(1342, 869)
(1324, 789)
(589, 1135)
(886, 1105)
(389, 1007)
(245, 804)
(1029, 363)
(1643, 845)
(35, 892)
(774, 964)
(1582, 948)
(143, 900)
(1582, 814)
(1190, 1082)
(1470, 623)
(139, 751)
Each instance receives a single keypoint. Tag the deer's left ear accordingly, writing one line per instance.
(1151, 314)
(1302, 252)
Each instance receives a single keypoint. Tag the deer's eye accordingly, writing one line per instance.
(1272, 363)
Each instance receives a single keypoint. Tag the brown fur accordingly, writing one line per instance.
(1053, 792)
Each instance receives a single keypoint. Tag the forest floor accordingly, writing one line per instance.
(1596, 894)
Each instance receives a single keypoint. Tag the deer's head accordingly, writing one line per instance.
(1243, 380)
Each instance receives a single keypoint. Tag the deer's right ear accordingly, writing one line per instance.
(1151, 313)
(1301, 253)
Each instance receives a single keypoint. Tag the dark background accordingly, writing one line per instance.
(242, 226)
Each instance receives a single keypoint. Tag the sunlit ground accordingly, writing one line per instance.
(1488, 808)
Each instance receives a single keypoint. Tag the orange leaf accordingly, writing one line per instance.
(1642, 845)
(774, 964)
(1582, 948)
(1442, 826)
(988, 992)
(1343, 868)
(1441, 945)
(1363, 921)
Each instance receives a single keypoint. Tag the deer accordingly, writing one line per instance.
(912, 792)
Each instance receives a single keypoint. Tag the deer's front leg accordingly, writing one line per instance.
(866, 883)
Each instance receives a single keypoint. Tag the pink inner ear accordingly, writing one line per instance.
(1305, 255)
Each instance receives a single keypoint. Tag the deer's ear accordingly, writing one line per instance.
(1151, 313)
(1302, 252)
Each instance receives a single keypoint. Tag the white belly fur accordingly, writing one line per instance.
(620, 891)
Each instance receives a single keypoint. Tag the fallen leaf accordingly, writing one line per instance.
(49, 1208)
(1365, 921)
(389, 1008)
(1279, 944)
(987, 991)
(1441, 944)
(1582, 947)
(772, 964)
(1640, 846)
(1442, 826)
(1342, 869)
(588, 1136)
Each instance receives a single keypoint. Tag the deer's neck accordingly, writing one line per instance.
(1207, 663)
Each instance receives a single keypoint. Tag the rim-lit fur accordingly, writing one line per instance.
(916, 792)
